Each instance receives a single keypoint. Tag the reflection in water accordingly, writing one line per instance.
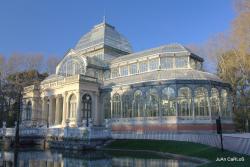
(33, 158)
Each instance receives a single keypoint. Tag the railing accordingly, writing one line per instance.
(9, 132)
(61, 81)
(163, 119)
(33, 132)
(55, 132)
(75, 133)
(239, 143)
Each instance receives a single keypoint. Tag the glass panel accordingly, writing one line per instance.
(133, 68)
(114, 72)
(107, 105)
(184, 101)
(152, 103)
(154, 64)
(138, 104)
(124, 70)
(107, 75)
(143, 66)
(201, 102)
(116, 106)
(127, 106)
(214, 99)
(224, 103)
(181, 62)
(166, 62)
(168, 102)
(192, 63)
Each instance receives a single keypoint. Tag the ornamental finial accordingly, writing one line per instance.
(104, 16)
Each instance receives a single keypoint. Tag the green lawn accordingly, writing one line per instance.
(183, 148)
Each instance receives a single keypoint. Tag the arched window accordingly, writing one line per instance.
(184, 101)
(106, 105)
(116, 106)
(224, 103)
(215, 102)
(201, 102)
(28, 111)
(87, 104)
(138, 104)
(72, 66)
(127, 106)
(72, 107)
(152, 103)
(168, 102)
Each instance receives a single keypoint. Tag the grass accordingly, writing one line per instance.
(183, 148)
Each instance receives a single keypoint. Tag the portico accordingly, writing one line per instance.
(60, 107)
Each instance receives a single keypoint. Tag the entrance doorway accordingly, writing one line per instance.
(87, 105)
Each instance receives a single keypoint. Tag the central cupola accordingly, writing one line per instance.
(106, 35)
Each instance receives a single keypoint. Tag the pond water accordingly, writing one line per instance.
(56, 158)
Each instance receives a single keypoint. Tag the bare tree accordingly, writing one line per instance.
(34, 62)
(51, 64)
(15, 63)
(2, 64)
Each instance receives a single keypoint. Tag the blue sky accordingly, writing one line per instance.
(51, 27)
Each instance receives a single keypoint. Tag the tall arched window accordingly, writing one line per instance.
(87, 105)
(28, 111)
(116, 106)
(168, 102)
(72, 107)
(152, 103)
(201, 102)
(224, 103)
(106, 105)
(215, 102)
(127, 106)
(184, 101)
(138, 104)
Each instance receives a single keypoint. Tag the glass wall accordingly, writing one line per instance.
(126, 106)
(133, 104)
(201, 102)
(154, 64)
(152, 103)
(138, 104)
(106, 105)
(133, 68)
(167, 62)
(181, 62)
(71, 67)
(224, 103)
(168, 102)
(116, 106)
(184, 101)
(115, 72)
(143, 66)
(124, 70)
(215, 102)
